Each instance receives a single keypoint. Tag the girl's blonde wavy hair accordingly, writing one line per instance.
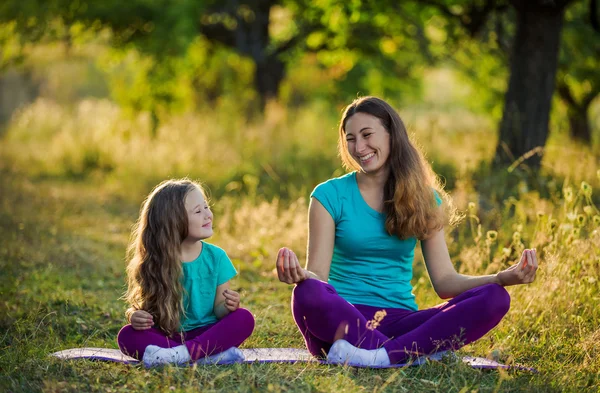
(409, 201)
(154, 270)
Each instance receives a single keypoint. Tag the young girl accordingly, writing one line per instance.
(354, 302)
(181, 307)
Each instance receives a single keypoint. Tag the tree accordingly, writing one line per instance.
(578, 82)
(533, 65)
(165, 29)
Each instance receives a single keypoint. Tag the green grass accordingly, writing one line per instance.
(65, 222)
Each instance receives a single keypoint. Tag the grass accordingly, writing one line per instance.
(70, 189)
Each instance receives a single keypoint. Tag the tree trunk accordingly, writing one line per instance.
(267, 78)
(579, 126)
(249, 36)
(527, 103)
(577, 112)
(252, 39)
(17, 88)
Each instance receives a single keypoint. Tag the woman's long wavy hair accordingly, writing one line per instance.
(154, 270)
(409, 201)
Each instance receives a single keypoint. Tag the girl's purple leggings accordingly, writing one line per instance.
(208, 340)
(323, 317)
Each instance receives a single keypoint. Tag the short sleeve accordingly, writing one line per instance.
(327, 194)
(438, 199)
(226, 271)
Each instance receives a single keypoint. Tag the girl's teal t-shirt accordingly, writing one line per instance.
(201, 277)
(368, 266)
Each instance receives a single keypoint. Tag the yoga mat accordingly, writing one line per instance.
(276, 355)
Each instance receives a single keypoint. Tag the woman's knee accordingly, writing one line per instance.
(497, 299)
(308, 293)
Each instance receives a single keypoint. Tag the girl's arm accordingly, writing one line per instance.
(321, 237)
(141, 320)
(226, 300)
(448, 283)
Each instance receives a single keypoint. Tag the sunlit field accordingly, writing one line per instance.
(72, 180)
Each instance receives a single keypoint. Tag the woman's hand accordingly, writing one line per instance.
(232, 300)
(289, 270)
(521, 273)
(141, 320)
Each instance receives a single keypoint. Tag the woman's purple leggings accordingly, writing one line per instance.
(208, 340)
(323, 317)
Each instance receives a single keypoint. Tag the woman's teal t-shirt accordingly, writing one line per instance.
(368, 266)
(201, 277)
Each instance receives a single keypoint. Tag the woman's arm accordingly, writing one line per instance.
(448, 283)
(321, 236)
(226, 300)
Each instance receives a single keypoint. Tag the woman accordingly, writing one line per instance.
(354, 302)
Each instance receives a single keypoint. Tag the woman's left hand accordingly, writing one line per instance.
(232, 300)
(521, 273)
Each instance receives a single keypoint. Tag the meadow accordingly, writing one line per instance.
(72, 179)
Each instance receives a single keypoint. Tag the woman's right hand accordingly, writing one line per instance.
(141, 320)
(289, 270)
(521, 273)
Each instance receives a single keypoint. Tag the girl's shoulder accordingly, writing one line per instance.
(212, 251)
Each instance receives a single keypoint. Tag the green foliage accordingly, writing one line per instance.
(11, 47)
(189, 49)
(580, 53)
(578, 82)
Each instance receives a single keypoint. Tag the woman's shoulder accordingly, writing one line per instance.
(337, 184)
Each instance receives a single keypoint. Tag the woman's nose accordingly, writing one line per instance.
(360, 145)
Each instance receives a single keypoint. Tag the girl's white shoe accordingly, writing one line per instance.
(232, 355)
(156, 356)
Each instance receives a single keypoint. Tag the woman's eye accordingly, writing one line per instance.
(367, 135)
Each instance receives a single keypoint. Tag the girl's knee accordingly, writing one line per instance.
(125, 340)
(244, 319)
(245, 316)
(125, 332)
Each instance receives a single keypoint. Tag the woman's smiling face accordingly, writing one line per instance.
(368, 142)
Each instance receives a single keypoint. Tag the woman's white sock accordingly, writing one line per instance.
(156, 356)
(342, 352)
(232, 355)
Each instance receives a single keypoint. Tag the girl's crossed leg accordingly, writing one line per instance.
(231, 331)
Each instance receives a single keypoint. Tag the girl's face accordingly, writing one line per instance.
(199, 216)
(368, 142)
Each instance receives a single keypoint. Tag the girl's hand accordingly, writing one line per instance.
(232, 300)
(288, 267)
(141, 320)
(521, 273)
